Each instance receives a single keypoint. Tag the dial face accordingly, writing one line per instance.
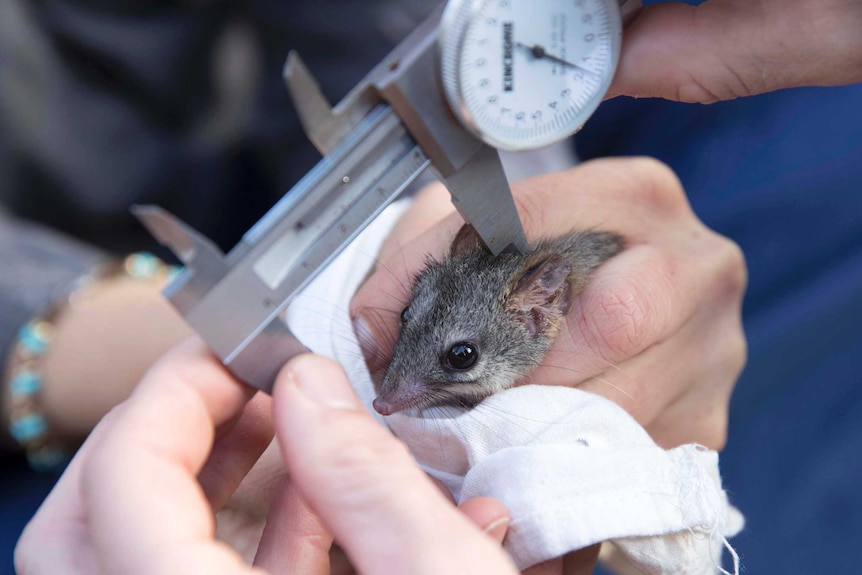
(527, 73)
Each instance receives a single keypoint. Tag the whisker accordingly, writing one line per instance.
(596, 377)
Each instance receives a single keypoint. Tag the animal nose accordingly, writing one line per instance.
(382, 406)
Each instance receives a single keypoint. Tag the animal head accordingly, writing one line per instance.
(474, 326)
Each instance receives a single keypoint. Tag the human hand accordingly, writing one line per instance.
(725, 49)
(103, 344)
(658, 329)
(140, 494)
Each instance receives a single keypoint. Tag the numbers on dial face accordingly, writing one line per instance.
(530, 73)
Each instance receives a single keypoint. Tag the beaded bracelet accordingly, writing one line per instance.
(28, 425)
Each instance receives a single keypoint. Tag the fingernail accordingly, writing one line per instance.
(323, 381)
(367, 343)
(495, 527)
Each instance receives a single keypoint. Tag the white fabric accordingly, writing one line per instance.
(572, 468)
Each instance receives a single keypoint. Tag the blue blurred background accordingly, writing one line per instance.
(781, 174)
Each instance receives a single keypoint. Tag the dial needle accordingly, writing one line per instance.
(538, 52)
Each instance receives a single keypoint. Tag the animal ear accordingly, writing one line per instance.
(467, 239)
(540, 295)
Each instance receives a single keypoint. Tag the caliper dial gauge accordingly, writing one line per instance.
(522, 74)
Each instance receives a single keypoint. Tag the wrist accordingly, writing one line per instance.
(103, 344)
(63, 374)
(24, 418)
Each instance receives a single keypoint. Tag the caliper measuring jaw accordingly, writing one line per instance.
(382, 136)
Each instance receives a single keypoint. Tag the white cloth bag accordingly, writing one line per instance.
(572, 468)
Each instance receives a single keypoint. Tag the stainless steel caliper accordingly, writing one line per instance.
(478, 75)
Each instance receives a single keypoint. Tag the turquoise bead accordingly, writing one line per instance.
(28, 428)
(143, 265)
(25, 383)
(32, 340)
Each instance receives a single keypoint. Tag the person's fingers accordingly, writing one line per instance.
(261, 486)
(639, 299)
(241, 521)
(641, 296)
(146, 512)
(57, 534)
(489, 515)
(640, 333)
(294, 540)
(683, 384)
(238, 446)
(723, 49)
(442, 489)
(363, 484)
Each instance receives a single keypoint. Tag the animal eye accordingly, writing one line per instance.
(462, 355)
(405, 315)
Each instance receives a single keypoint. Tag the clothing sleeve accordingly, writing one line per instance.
(37, 265)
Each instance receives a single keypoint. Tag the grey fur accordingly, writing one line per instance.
(510, 306)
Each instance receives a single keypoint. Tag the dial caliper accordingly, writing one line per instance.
(478, 75)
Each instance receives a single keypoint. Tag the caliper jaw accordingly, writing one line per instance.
(205, 266)
(408, 81)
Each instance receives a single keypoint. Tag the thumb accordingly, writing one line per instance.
(725, 49)
(363, 484)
